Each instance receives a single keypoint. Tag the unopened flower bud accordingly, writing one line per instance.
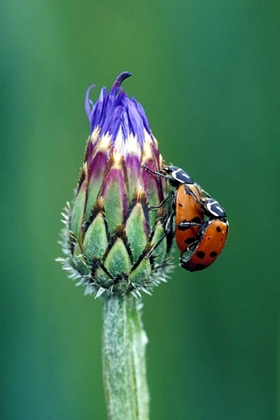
(110, 231)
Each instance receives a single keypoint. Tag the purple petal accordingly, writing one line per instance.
(114, 111)
(88, 101)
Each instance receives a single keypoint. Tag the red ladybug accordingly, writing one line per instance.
(210, 239)
(187, 209)
(201, 226)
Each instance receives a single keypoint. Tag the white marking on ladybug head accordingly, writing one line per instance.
(214, 208)
(182, 176)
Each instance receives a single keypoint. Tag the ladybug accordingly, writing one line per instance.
(201, 226)
(187, 209)
(210, 240)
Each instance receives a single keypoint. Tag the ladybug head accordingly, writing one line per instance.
(170, 169)
(177, 176)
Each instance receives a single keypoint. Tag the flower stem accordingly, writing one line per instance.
(124, 369)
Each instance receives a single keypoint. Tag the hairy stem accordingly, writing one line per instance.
(124, 369)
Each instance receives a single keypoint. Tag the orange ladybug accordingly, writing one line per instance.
(201, 225)
(211, 239)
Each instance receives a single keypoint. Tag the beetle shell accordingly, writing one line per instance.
(187, 209)
(212, 237)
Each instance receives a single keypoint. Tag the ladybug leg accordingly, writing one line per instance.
(183, 261)
(200, 202)
(167, 229)
(170, 194)
(189, 191)
(187, 225)
(205, 193)
(155, 173)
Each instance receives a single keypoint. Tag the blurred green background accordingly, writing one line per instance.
(208, 76)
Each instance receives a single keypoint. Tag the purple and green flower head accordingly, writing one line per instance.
(110, 229)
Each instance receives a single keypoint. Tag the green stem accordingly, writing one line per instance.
(124, 369)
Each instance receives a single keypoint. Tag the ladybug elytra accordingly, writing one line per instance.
(210, 240)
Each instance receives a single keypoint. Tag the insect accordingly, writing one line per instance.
(201, 226)
(187, 210)
(210, 239)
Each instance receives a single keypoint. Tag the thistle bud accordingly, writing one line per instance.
(110, 229)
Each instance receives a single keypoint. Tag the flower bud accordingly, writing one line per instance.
(110, 229)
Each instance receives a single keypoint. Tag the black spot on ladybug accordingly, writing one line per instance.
(218, 229)
(200, 255)
(196, 219)
(189, 241)
(181, 205)
(213, 254)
